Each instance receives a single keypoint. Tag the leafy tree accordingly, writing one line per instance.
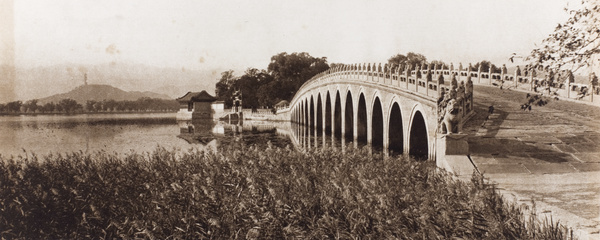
(573, 43)
(411, 58)
(293, 70)
(485, 66)
(264, 94)
(31, 105)
(438, 63)
(90, 106)
(334, 65)
(571, 47)
(58, 108)
(48, 107)
(14, 106)
(397, 59)
(69, 105)
(110, 105)
(224, 87)
(250, 83)
(285, 74)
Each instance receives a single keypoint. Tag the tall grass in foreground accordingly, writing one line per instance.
(246, 192)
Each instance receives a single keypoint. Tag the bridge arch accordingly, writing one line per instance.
(319, 119)
(418, 137)
(299, 112)
(348, 117)
(377, 123)
(361, 119)
(306, 114)
(337, 122)
(311, 121)
(328, 117)
(395, 129)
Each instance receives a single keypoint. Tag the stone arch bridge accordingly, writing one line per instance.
(399, 109)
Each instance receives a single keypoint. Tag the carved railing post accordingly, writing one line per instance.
(388, 72)
(469, 93)
(379, 72)
(397, 74)
(517, 76)
(428, 79)
(373, 70)
(502, 73)
(469, 70)
(363, 69)
(407, 74)
(531, 81)
(367, 71)
(479, 74)
(417, 77)
(593, 83)
(490, 72)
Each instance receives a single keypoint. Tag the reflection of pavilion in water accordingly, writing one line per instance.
(198, 131)
(207, 132)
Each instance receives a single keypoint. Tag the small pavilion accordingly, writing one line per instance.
(195, 105)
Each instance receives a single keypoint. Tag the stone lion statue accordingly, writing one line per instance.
(452, 116)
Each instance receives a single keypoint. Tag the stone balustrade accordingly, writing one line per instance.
(428, 80)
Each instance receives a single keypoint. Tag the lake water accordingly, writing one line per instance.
(126, 133)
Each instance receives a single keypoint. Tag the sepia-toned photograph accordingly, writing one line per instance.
(270, 119)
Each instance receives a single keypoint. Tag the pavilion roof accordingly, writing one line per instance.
(197, 97)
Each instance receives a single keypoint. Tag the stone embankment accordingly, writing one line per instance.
(550, 154)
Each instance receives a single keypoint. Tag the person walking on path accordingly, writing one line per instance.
(490, 112)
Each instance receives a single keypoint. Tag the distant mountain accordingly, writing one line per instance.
(98, 92)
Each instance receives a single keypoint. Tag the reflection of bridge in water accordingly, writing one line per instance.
(211, 134)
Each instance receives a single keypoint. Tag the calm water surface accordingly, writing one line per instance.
(126, 133)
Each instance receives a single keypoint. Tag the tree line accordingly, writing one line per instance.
(265, 88)
(71, 106)
(419, 60)
(287, 72)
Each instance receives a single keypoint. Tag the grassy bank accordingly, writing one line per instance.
(245, 193)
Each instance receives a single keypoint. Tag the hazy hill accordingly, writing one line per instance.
(99, 92)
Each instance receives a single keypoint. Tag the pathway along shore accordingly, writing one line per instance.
(550, 154)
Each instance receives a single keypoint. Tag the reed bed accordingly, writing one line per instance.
(250, 192)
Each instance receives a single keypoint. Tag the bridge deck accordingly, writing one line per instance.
(550, 154)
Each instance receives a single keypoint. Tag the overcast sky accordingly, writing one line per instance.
(241, 34)
(214, 36)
